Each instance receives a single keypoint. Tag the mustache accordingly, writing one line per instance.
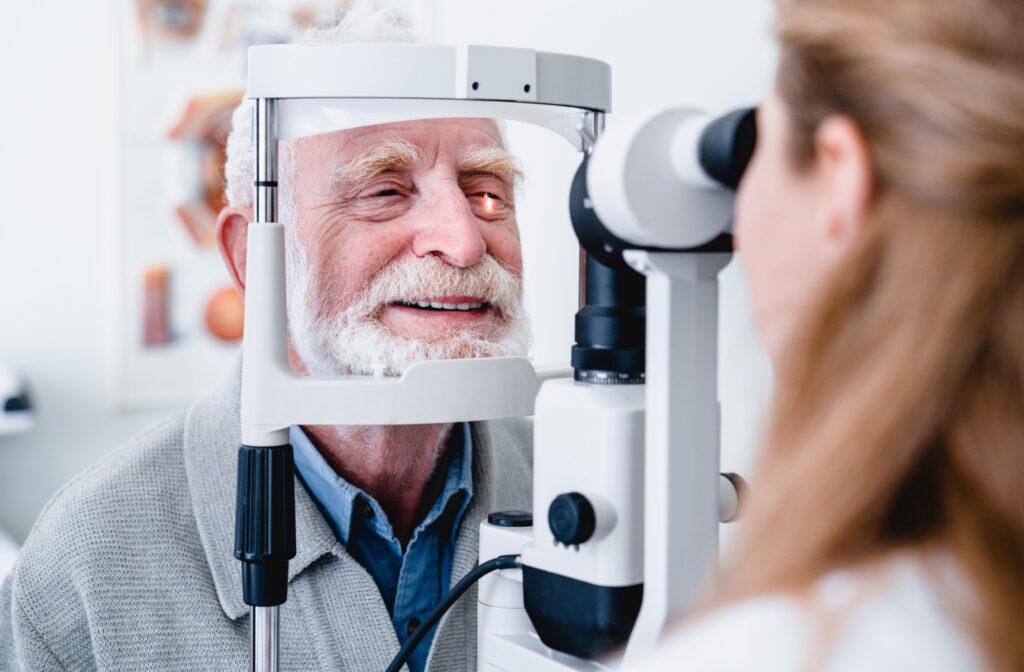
(418, 278)
(354, 341)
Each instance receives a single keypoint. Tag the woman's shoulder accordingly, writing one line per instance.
(904, 613)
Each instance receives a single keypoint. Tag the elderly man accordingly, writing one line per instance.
(402, 245)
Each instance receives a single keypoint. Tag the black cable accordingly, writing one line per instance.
(478, 572)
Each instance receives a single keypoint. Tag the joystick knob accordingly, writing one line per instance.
(571, 518)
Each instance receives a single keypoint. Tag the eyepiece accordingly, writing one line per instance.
(726, 146)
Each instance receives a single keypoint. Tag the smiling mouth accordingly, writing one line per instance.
(440, 306)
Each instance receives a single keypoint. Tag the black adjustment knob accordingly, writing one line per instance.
(571, 518)
(512, 518)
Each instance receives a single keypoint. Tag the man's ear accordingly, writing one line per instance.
(844, 162)
(232, 236)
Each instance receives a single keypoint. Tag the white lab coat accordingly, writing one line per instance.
(902, 614)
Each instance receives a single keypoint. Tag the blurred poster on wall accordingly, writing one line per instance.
(177, 320)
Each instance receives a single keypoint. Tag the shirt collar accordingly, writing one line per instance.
(337, 498)
(456, 465)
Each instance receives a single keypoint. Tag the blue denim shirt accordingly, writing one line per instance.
(413, 582)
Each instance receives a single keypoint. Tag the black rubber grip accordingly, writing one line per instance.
(265, 522)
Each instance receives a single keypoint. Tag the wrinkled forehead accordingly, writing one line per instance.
(431, 140)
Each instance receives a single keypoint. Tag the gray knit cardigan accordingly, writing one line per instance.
(131, 566)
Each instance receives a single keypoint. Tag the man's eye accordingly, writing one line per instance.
(488, 200)
(382, 189)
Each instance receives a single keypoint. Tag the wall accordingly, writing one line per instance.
(55, 249)
(55, 252)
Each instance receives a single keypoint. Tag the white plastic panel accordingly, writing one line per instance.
(590, 439)
(351, 71)
(497, 73)
(425, 71)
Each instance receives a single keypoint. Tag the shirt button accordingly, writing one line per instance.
(365, 510)
(411, 627)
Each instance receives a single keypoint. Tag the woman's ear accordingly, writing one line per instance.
(844, 163)
(232, 237)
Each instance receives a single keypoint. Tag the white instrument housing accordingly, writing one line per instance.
(647, 186)
(590, 439)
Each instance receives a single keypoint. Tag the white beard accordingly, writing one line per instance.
(356, 342)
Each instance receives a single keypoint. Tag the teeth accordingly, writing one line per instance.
(437, 305)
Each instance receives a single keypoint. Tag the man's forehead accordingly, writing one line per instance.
(430, 136)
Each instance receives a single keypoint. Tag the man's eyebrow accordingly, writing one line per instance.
(492, 160)
(394, 154)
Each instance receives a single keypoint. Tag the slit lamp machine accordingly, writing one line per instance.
(627, 492)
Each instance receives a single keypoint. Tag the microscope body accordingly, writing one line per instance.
(577, 599)
(588, 496)
(627, 492)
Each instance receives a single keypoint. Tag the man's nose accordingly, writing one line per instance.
(449, 229)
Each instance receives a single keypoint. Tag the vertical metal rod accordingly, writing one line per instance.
(265, 630)
(264, 129)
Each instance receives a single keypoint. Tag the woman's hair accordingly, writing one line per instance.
(898, 421)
